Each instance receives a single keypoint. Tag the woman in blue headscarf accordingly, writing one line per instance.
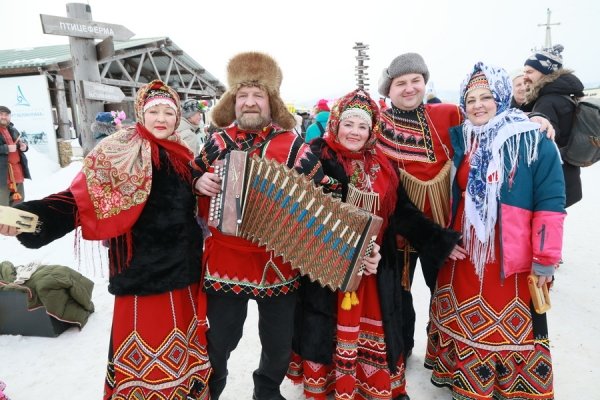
(486, 340)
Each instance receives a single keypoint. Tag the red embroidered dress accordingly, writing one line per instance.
(237, 266)
(481, 338)
(359, 368)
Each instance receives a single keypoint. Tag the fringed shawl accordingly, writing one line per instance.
(115, 182)
(487, 146)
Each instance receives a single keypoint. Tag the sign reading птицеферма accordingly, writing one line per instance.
(82, 28)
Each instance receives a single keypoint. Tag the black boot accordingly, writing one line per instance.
(276, 396)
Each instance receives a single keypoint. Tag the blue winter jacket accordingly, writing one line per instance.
(532, 206)
(313, 130)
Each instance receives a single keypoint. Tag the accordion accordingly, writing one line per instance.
(274, 206)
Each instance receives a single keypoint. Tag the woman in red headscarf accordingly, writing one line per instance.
(350, 344)
(135, 191)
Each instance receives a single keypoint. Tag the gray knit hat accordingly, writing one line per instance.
(407, 63)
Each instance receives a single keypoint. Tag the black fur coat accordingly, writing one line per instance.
(166, 239)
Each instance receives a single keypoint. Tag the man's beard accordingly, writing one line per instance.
(252, 121)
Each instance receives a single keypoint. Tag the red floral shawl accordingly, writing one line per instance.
(115, 181)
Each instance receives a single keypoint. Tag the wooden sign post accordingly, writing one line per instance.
(90, 93)
(83, 28)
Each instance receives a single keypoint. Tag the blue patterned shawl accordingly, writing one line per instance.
(488, 145)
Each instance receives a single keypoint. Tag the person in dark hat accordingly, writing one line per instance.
(13, 162)
(134, 190)
(550, 90)
(253, 118)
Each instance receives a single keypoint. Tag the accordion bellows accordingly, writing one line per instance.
(276, 207)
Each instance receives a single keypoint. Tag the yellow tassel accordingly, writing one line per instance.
(346, 302)
(354, 298)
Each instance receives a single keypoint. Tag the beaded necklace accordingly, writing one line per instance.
(360, 189)
(422, 118)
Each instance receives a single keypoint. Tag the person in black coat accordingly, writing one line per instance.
(550, 91)
(332, 332)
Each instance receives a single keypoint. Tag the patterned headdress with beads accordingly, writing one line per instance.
(156, 92)
(493, 78)
(356, 103)
(478, 81)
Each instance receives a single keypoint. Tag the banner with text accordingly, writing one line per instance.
(28, 98)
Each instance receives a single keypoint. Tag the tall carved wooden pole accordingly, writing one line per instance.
(362, 79)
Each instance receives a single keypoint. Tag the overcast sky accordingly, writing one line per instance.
(318, 62)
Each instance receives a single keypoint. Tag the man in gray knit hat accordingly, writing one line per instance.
(415, 137)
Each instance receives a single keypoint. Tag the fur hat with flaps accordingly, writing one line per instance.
(253, 69)
(154, 93)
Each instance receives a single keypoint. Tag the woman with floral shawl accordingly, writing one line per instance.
(350, 344)
(135, 191)
(486, 340)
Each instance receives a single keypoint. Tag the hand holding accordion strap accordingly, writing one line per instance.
(310, 166)
(22, 220)
(209, 153)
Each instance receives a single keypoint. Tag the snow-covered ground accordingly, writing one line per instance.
(72, 366)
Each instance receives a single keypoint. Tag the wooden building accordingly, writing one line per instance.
(125, 65)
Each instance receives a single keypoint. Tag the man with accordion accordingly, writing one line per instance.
(255, 120)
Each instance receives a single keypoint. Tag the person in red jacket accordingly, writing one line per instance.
(253, 119)
(13, 163)
(414, 136)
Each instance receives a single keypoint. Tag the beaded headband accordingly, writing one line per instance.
(157, 96)
(357, 112)
(478, 81)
